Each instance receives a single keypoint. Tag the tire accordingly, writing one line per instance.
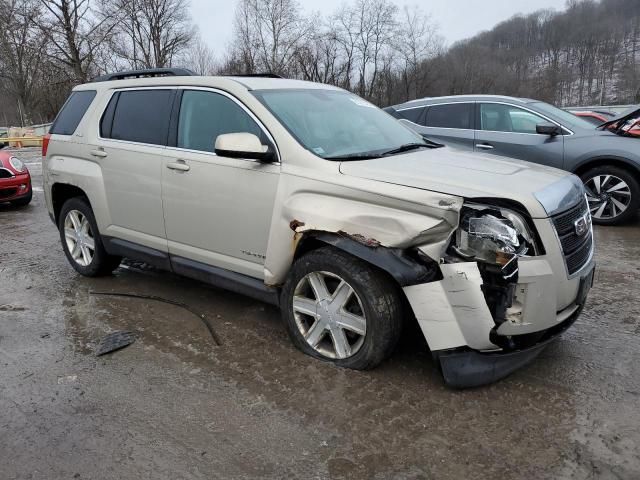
(606, 206)
(24, 201)
(74, 213)
(375, 298)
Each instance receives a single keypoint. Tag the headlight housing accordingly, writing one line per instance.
(17, 164)
(493, 234)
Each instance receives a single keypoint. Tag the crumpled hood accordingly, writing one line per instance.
(469, 175)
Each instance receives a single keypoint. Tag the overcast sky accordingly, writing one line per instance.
(457, 19)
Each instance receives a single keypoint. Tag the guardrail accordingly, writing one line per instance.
(19, 142)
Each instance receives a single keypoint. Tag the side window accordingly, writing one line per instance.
(72, 112)
(205, 115)
(140, 116)
(455, 115)
(412, 114)
(497, 117)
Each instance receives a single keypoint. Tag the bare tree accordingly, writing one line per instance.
(200, 58)
(417, 40)
(21, 52)
(75, 35)
(268, 34)
(149, 33)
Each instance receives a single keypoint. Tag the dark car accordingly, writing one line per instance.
(608, 161)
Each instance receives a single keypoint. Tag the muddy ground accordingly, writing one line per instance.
(174, 405)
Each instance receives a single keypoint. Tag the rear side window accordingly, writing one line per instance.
(139, 116)
(72, 112)
(457, 115)
(412, 114)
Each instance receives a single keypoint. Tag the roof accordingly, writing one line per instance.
(250, 83)
(460, 98)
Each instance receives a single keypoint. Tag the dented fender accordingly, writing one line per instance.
(375, 215)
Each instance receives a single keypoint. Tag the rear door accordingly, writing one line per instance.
(510, 131)
(131, 150)
(450, 123)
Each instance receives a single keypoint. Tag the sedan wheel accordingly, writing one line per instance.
(79, 238)
(329, 315)
(609, 196)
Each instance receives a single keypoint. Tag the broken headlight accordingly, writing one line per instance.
(493, 235)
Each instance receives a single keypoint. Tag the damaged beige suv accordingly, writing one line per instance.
(308, 197)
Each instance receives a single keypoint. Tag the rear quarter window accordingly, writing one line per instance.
(72, 112)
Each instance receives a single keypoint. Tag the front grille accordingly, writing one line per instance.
(5, 173)
(8, 192)
(576, 248)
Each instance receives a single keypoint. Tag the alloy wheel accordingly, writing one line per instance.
(329, 315)
(608, 196)
(79, 238)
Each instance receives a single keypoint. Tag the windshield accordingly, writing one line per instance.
(338, 125)
(565, 118)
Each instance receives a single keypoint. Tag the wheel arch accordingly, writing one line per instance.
(405, 266)
(61, 192)
(613, 160)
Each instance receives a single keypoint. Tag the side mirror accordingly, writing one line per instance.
(242, 145)
(548, 129)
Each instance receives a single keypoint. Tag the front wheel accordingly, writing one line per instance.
(340, 309)
(613, 194)
(81, 240)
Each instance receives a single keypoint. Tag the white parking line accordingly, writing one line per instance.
(37, 189)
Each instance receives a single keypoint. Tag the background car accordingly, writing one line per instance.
(608, 161)
(597, 117)
(15, 181)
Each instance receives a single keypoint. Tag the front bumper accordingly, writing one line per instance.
(473, 348)
(15, 188)
(468, 368)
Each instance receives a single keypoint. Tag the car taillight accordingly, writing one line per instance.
(45, 144)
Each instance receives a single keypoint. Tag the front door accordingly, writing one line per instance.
(217, 210)
(510, 131)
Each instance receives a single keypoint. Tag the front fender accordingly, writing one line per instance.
(385, 215)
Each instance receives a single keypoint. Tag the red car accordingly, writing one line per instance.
(15, 181)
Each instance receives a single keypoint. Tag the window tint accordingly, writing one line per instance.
(506, 118)
(457, 115)
(72, 112)
(205, 115)
(142, 116)
(412, 114)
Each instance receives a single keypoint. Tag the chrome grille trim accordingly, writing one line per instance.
(576, 249)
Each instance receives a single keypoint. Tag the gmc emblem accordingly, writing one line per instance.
(582, 225)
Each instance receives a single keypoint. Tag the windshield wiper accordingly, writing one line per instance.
(405, 148)
(354, 156)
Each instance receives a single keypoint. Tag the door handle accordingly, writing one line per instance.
(98, 153)
(179, 165)
(484, 146)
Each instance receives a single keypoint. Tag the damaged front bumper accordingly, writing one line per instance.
(475, 348)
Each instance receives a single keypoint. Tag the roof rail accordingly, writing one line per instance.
(149, 72)
(263, 75)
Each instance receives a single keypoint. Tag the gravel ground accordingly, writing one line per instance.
(175, 405)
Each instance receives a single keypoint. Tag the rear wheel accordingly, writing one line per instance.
(81, 240)
(340, 309)
(613, 194)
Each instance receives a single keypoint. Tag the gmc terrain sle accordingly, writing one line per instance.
(309, 197)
